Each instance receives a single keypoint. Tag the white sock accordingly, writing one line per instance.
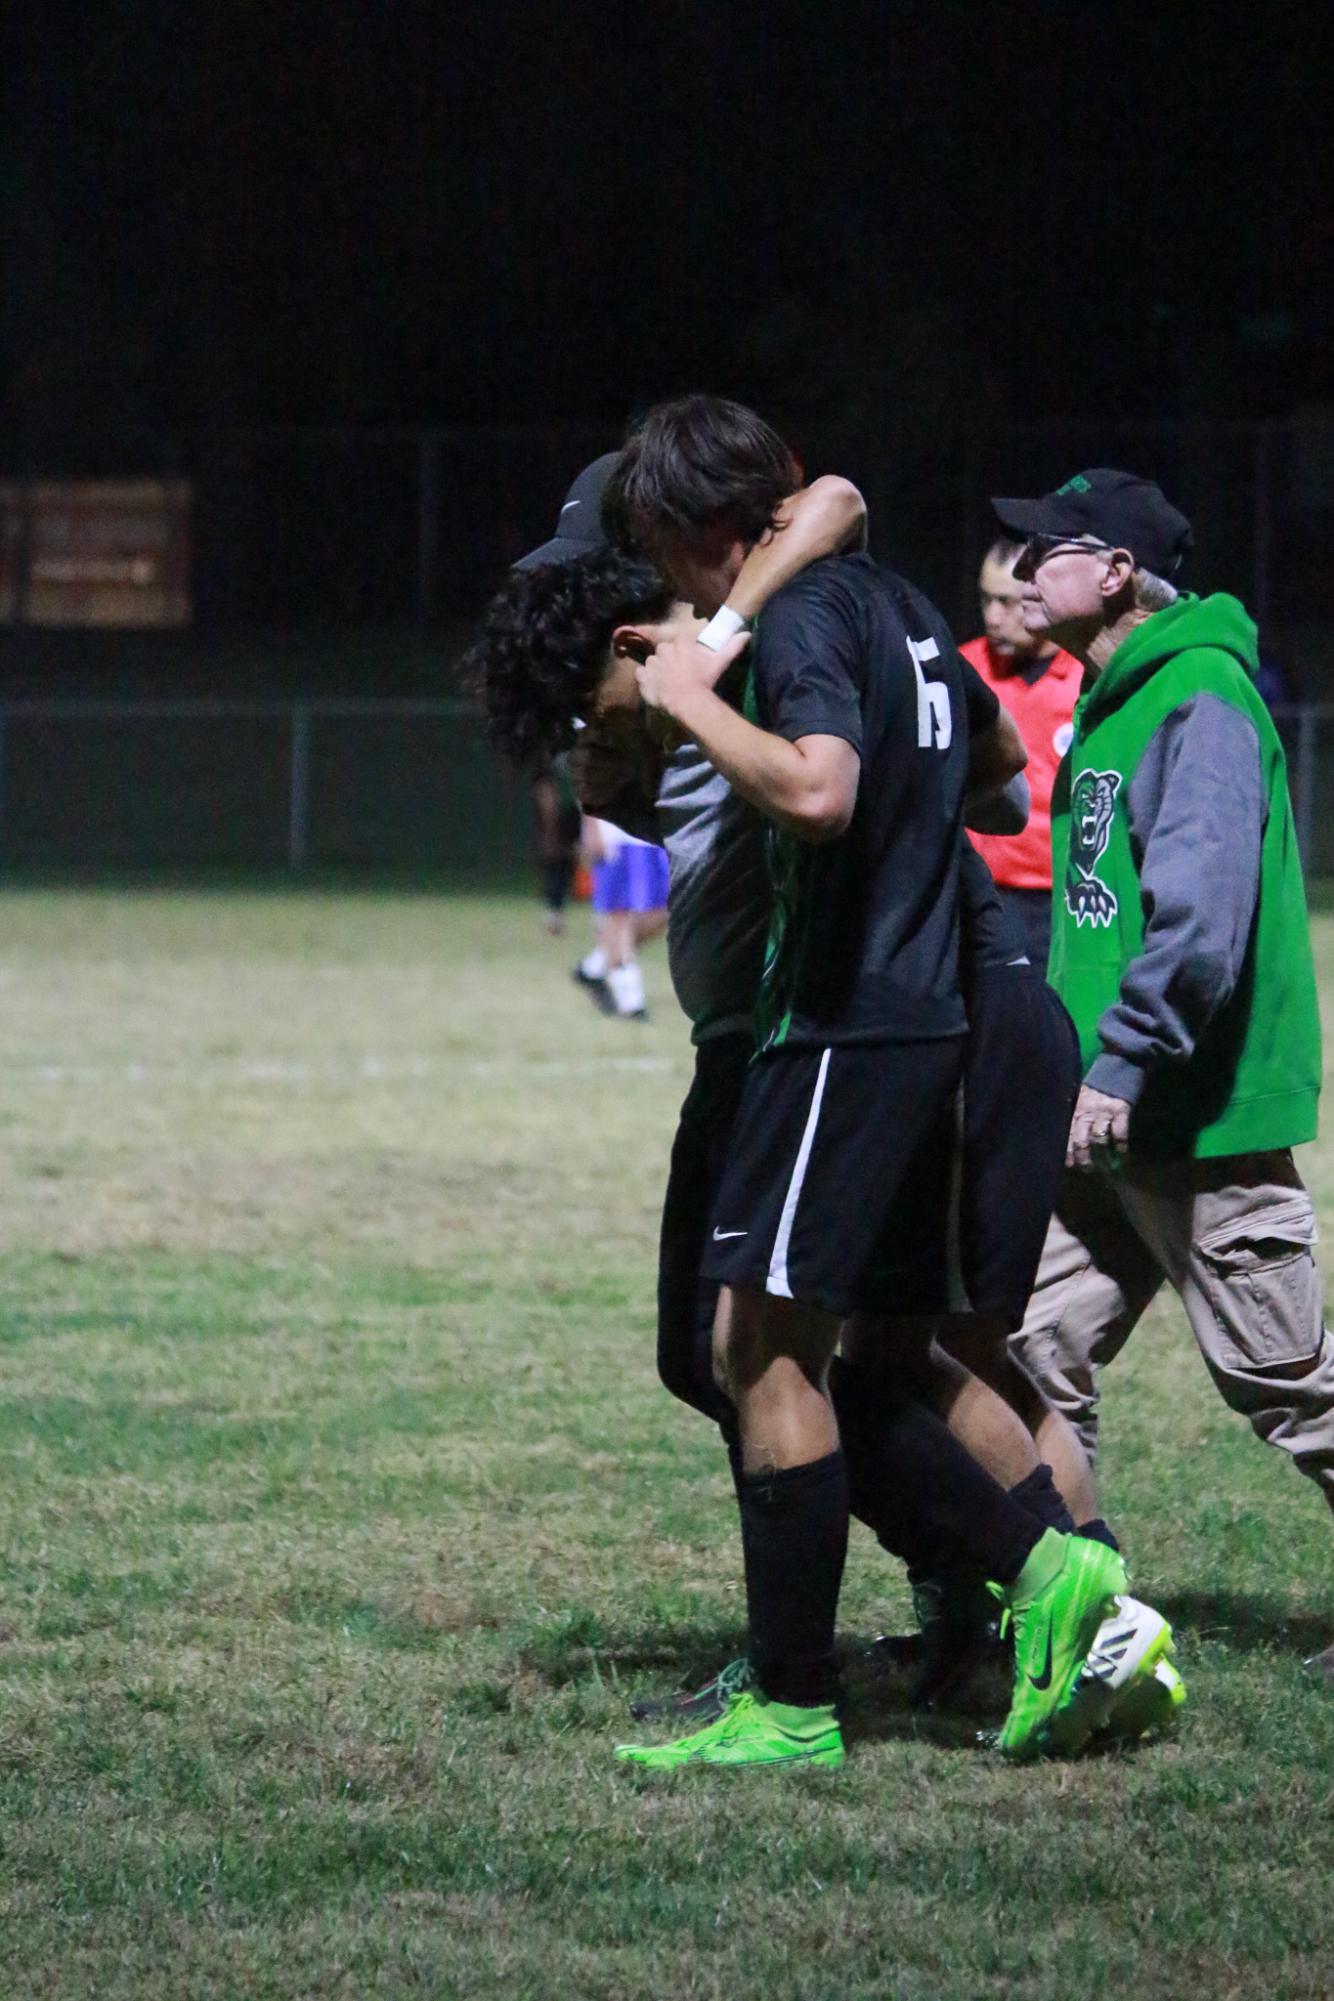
(627, 988)
(593, 965)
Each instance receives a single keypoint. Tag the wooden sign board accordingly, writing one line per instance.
(96, 552)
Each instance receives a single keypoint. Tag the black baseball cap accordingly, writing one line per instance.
(579, 523)
(1118, 508)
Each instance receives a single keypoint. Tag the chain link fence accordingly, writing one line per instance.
(304, 786)
(333, 569)
(268, 786)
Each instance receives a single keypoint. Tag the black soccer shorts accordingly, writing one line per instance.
(811, 1203)
(1020, 1084)
(686, 1302)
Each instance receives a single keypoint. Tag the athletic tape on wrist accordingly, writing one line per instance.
(724, 625)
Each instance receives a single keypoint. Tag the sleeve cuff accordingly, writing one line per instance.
(1118, 1077)
(793, 728)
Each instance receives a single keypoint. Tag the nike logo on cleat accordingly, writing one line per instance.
(719, 1235)
(1043, 1680)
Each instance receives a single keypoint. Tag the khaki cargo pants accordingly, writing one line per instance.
(1234, 1238)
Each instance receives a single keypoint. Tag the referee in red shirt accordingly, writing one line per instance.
(1039, 684)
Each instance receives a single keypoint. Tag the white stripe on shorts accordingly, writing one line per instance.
(777, 1279)
(956, 1294)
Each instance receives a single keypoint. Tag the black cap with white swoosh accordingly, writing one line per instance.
(579, 524)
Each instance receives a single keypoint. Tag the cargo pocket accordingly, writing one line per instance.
(1263, 1285)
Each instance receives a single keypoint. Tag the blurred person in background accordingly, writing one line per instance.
(1271, 680)
(1038, 684)
(558, 828)
(630, 883)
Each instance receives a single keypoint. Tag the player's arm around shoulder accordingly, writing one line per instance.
(823, 519)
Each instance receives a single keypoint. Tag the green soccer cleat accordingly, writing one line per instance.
(1056, 1605)
(750, 1731)
(1118, 1671)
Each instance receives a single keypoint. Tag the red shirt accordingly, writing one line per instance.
(1042, 712)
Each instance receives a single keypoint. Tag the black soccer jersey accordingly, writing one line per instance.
(865, 936)
(987, 935)
(988, 938)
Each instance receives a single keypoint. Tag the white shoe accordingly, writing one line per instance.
(627, 990)
(1126, 1649)
(1147, 1705)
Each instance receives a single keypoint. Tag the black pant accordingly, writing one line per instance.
(1021, 1079)
(1030, 910)
(687, 1303)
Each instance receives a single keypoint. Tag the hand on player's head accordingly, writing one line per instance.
(679, 667)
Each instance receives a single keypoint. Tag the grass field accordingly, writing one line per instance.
(342, 1513)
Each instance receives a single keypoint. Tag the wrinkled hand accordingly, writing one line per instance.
(680, 667)
(1099, 1130)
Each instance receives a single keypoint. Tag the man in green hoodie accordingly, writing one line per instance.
(1180, 946)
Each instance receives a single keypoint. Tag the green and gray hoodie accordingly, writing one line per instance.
(1179, 939)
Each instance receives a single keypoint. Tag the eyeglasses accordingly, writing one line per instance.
(1039, 549)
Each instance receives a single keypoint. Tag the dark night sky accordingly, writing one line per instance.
(503, 212)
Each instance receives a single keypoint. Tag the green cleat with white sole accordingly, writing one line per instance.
(1057, 1604)
(750, 1731)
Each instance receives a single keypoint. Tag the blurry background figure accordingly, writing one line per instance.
(630, 908)
(1271, 679)
(1039, 685)
(558, 828)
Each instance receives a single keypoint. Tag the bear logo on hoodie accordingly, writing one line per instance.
(1091, 801)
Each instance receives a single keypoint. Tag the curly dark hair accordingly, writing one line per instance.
(541, 648)
(698, 462)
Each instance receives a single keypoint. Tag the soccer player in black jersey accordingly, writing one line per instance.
(562, 642)
(853, 747)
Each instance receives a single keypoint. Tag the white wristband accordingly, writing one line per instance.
(724, 625)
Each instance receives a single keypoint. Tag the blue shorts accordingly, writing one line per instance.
(635, 880)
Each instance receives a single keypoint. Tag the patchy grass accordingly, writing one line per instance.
(342, 1513)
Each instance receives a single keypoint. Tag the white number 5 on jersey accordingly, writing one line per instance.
(935, 725)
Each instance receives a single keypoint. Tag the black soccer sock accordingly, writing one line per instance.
(731, 1431)
(1038, 1492)
(922, 1486)
(556, 879)
(1098, 1531)
(893, 1517)
(794, 1532)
